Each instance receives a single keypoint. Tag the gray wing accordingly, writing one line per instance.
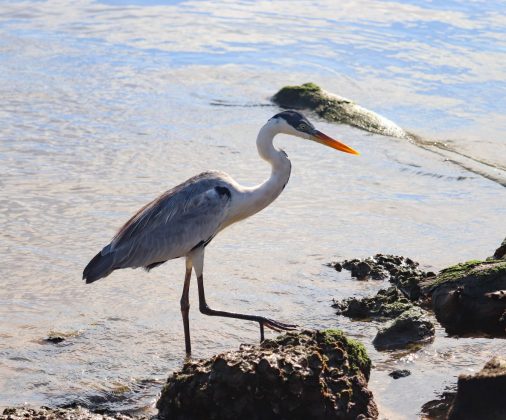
(183, 218)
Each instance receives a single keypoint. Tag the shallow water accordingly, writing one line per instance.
(107, 104)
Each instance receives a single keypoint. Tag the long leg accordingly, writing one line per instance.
(198, 264)
(263, 322)
(205, 309)
(185, 307)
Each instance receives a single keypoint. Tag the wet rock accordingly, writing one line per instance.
(335, 108)
(470, 298)
(411, 327)
(55, 339)
(388, 303)
(501, 251)
(363, 269)
(399, 373)
(438, 409)
(482, 395)
(402, 272)
(46, 413)
(312, 374)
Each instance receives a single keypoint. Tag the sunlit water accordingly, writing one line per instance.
(106, 104)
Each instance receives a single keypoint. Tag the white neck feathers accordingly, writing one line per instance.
(254, 199)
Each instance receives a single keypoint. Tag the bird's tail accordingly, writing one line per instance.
(100, 266)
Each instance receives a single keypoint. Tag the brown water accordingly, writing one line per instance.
(105, 105)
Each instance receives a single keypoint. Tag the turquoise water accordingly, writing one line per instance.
(107, 104)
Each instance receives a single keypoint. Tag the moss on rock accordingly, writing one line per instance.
(311, 374)
(387, 303)
(411, 327)
(335, 108)
(481, 269)
(469, 298)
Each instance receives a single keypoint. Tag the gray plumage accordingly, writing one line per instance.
(182, 221)
(183, 218)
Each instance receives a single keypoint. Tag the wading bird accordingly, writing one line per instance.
(184, 220)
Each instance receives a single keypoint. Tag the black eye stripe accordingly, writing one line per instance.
(296, 120)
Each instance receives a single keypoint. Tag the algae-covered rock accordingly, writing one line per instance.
(482, 395)
(470, 298)
(388, 303)
(307, 375)
(335, 108)
(401, 271)
(411, 327)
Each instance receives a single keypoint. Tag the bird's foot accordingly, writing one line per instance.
(275, 326)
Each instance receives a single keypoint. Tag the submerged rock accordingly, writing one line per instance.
(335, 108)
(399, 373)
(411, 327)
(470, 298)
(312, 374)
(55, 339)
(388, 303)
(482, 395)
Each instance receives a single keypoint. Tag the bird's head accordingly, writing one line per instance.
(295, 124)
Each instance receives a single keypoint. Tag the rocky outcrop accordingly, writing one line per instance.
(402, 272)
(312, 374)
(410, 327)
(387, 304)
(482, 395)
(410, 324)
(336, 109)
(470, 298)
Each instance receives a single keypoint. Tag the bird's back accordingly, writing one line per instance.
(179, 220)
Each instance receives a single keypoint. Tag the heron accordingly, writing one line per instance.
(185, 219)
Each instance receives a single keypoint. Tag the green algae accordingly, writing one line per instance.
(477, 268)
(358, 359)
(335, 109)
(411, 327)
(387, 303)
(307, 374)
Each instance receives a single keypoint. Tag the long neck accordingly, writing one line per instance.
(254, 199)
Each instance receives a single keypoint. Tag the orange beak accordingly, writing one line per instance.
(329, 141)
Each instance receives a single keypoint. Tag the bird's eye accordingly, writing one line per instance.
(302, 127)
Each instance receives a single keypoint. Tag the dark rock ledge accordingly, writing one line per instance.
(479, 396)
(470, 298)
(307, 375)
